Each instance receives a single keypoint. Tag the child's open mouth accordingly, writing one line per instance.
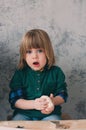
(35, 63)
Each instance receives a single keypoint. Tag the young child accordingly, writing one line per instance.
(37, 79)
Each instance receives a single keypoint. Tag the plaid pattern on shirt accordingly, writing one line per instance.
(14, 96)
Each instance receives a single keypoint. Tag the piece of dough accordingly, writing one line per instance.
(50, 104)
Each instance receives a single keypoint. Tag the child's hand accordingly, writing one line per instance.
(50, 106)
(40, 104)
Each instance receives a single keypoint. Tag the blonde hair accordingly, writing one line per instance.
(36, 38)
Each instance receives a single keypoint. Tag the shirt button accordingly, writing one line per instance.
(38, 81)
(38, 74)
(37, 88)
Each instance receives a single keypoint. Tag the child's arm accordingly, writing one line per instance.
(37, 104)
(16, 99)
(57, 100)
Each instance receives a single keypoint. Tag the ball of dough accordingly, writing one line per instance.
(50, 104)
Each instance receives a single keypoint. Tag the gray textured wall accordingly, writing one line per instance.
(65, 22)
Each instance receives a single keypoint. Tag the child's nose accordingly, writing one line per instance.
(34, 55)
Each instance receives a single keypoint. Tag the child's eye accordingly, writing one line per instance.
(40, 50)
(29, 51)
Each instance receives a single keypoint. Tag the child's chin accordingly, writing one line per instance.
(36, 69)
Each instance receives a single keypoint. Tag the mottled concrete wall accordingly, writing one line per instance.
(65, 22)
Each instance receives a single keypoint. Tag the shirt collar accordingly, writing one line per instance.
(42, 70)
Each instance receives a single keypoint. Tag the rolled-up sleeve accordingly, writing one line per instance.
(14, 96)
(64, 95)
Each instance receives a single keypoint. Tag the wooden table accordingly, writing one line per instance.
(44, 125)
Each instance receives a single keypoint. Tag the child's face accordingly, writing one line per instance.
(36, 58)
